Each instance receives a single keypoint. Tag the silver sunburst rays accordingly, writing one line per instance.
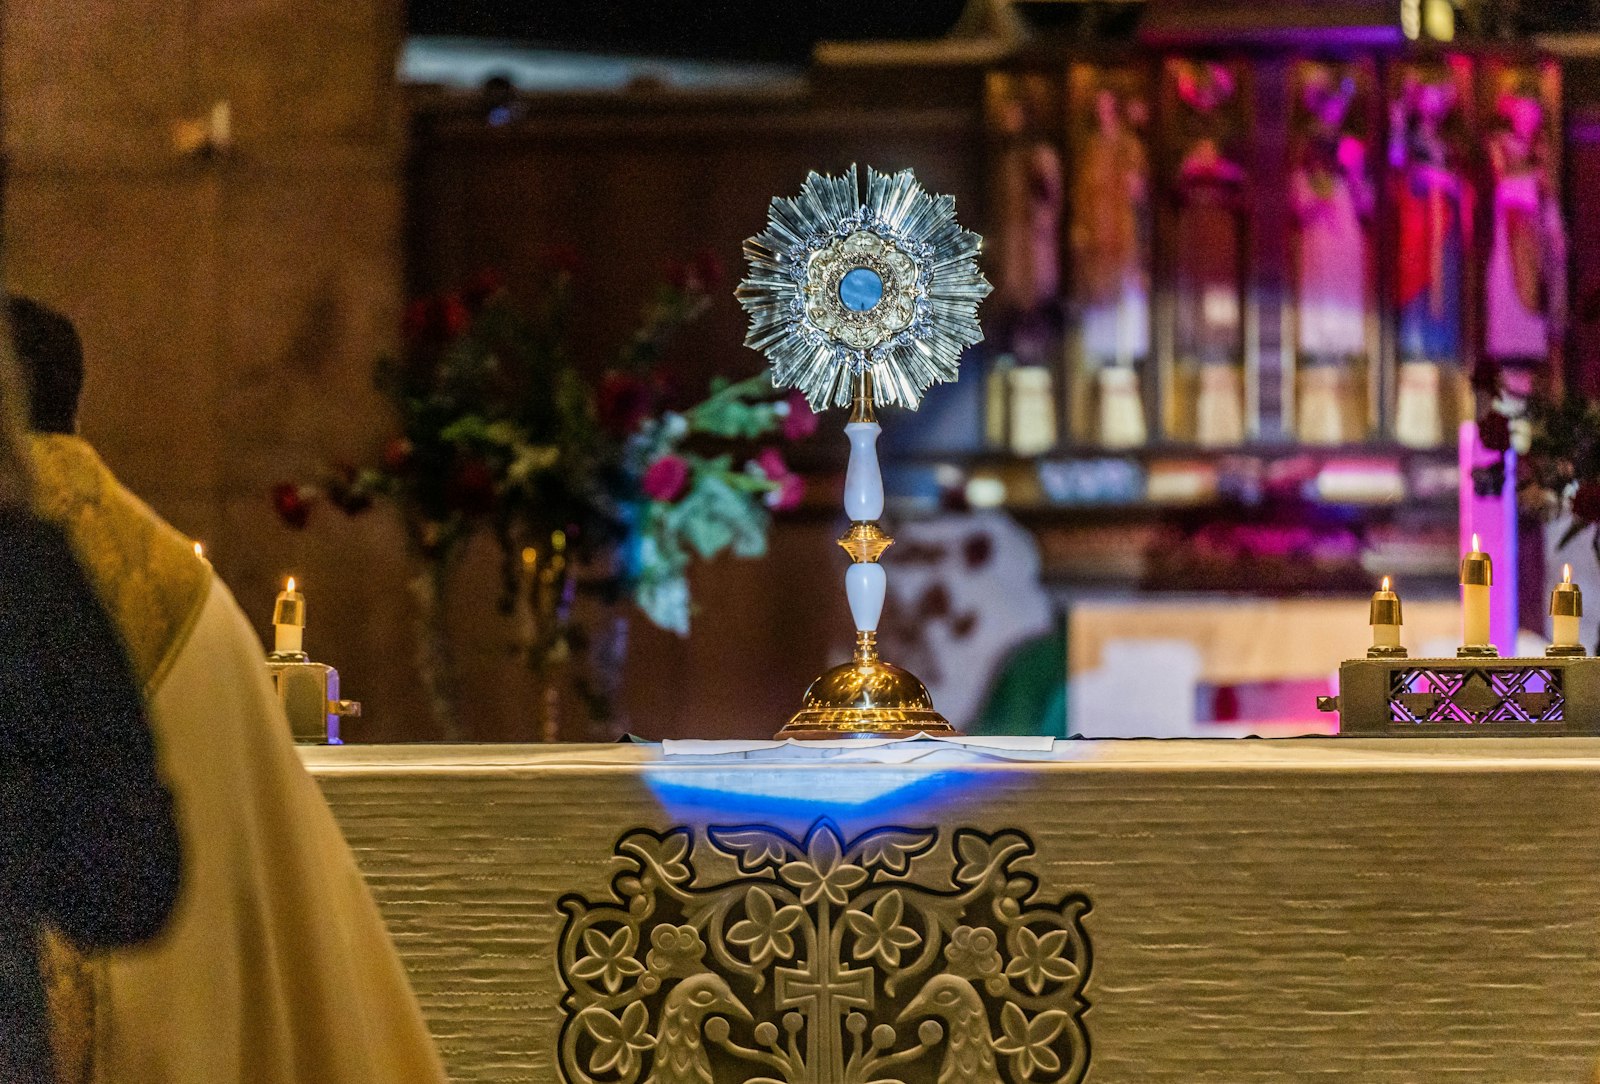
(839, 286)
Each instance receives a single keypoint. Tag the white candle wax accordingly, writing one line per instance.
(289, 621)
(1475, 614)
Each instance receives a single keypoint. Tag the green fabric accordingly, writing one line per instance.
(1030, 694)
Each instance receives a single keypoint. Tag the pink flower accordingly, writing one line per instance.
(790, 486)
(790, 492)
(798, 422)
(665, 479)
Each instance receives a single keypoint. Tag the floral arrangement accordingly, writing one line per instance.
(1556, 436)
(592, 481)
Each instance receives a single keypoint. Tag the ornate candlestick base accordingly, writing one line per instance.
(866, 698)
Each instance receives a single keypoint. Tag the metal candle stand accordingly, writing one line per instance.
(1555, 696)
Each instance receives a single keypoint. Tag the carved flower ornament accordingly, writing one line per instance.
(899, 954)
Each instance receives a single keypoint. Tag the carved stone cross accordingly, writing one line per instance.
(824, 991)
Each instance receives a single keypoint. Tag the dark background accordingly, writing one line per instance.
(723, 28)
(786, 31)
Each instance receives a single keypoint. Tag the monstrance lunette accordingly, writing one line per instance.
(863, 302)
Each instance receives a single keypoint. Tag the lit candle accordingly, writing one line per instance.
(1385, 621)
(1566, 607)
(1477, 575)
(289, 621)
(199, 550)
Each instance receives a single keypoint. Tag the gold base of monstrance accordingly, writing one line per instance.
(856, 300)
(865, 697)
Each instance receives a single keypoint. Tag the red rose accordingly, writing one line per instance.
(435, 319)
(396, 456)
(471, 489)
(292, 503)
(481, 287)
(1586, 503)
(665, 479)
(1494, 430)
(799, 422)
(453, 315)
(623, 401)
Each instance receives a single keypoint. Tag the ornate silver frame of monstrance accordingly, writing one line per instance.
(863, 301)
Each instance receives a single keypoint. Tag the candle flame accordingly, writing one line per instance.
(1474, 541)
(1566, 573)
(1386, 583)
(199, 550)
(290, 588)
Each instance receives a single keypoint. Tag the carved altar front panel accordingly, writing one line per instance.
(1383, 912)
(823, 959)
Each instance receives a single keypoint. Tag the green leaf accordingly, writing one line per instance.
(736, 411)
(665, 602)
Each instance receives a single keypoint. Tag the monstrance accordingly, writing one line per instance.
(863, 302)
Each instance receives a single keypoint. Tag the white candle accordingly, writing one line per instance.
(289, 621)
(1477, 576)
(1385, 618)
(1566, 607)
(221, 125)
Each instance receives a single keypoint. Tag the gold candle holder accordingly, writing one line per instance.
(1385, 618)
(1566, 607)
(1477, 576)
(308, 691)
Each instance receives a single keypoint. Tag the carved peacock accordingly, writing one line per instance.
(680, 1054)
(969, 1047)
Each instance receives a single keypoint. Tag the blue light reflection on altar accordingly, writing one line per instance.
(746, 789)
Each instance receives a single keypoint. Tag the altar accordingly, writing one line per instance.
(1257, 910)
